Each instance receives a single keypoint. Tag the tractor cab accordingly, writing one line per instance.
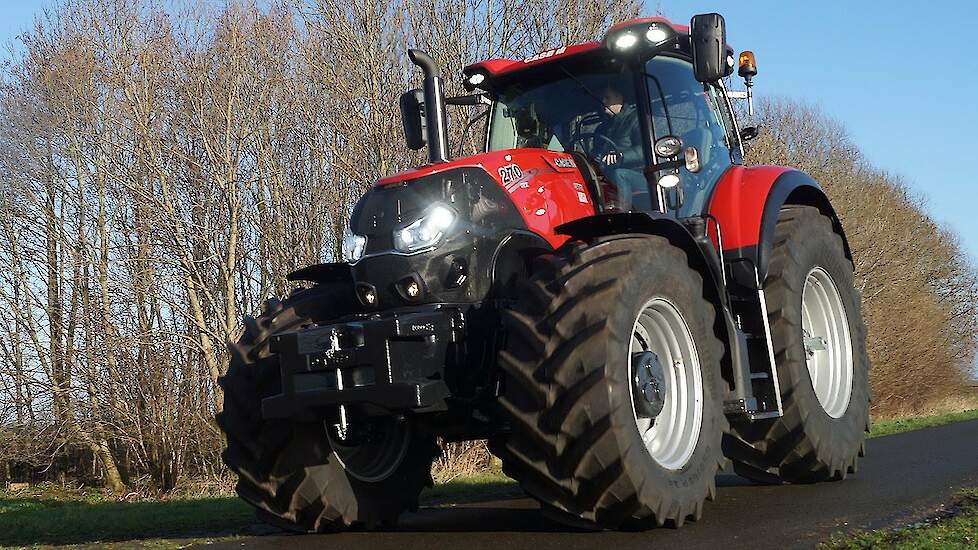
(648, 116)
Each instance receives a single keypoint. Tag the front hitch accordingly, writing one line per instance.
(380, 364)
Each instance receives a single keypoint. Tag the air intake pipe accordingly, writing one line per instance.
(436, 123)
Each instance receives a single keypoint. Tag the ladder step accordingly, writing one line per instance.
(759, 376)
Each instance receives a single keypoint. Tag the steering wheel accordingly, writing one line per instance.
(592, 136)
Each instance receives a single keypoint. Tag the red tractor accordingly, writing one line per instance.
(606, 294)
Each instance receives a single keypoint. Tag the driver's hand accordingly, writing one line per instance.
(613, 157)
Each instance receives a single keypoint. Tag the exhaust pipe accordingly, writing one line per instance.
(436, 123)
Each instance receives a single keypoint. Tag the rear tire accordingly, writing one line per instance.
(809, 287)
(287, 469)
(575, 441)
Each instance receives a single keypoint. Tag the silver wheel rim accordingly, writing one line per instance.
(671, 437)
(828, 348)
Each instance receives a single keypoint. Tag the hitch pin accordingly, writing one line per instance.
(334, 345)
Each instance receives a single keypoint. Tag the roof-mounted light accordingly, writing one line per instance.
(626, 41)
(658, 33)
(474, 80)
(640, 36)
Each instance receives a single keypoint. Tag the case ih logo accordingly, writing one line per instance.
(564, 162)
(544, 55)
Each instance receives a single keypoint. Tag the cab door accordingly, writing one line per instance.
(680, 106)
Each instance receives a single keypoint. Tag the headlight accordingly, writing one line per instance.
(426, 231)
(353, 245)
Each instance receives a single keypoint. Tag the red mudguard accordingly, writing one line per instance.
(738, 203)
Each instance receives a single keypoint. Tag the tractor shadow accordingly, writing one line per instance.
(501, 507)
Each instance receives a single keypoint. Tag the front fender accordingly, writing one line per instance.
(650, 223)
(703, 258)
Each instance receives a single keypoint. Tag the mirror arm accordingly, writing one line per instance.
(667, 165)
(473, 99)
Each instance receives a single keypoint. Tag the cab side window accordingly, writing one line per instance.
(683, 107)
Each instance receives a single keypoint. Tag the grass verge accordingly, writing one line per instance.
(50, 517)
(492, 485)
(900, 425)
(955, 529)
(47, 516)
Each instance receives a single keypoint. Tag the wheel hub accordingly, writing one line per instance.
(650, 384)
(667, 385)
(374, 450)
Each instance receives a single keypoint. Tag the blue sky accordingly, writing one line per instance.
(903, 80)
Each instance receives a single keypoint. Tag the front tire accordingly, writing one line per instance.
(820, 351)
(576, 339)
(290, 471)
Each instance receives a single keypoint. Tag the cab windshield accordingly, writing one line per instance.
(589, 109)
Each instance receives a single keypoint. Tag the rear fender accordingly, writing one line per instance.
(746, 203)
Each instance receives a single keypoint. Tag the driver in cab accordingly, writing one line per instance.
(621, 150)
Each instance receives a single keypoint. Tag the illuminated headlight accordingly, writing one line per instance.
(353, 246)
(426, 231)
(625, 41)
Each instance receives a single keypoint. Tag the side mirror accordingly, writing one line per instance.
(708, 37)
(412, 118)
(748, 133)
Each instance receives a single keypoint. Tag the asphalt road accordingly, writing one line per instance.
(904, 478)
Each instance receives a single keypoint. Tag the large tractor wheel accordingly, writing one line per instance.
(820, 351)
(297, 475)
(613, 386)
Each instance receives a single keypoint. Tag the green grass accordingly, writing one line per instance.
(888, 427)
(960, 530)
(48, 516)
(58, 519)
(480, 487)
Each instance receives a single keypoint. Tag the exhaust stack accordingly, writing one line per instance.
(436, 123)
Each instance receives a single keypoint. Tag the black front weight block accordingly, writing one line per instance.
(387, 362)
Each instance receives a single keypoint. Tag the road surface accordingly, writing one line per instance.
(904, 478)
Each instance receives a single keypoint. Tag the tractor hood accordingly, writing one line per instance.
(501, 200)
(493, 163)
(545, 187)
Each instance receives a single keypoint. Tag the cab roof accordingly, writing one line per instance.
(494, 68)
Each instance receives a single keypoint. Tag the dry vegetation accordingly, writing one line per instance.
(919, 291)
(163, 167)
